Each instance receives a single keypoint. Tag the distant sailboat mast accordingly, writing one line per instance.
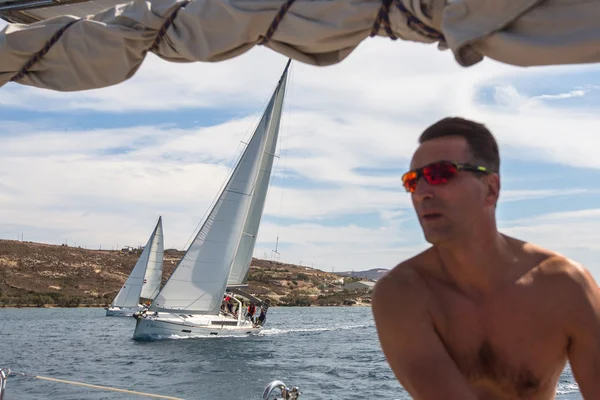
(276, 248)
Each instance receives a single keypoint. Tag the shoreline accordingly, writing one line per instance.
(51, 276)
(95, 306)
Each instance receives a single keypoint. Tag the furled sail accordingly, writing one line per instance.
(61, 49)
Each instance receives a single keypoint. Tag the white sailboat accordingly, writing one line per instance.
(144, 280)
(218, 259)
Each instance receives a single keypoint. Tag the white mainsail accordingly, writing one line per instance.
(198, 283)
(243, 258)
(148, 268)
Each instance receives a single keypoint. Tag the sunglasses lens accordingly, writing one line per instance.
(409, 180)
(439, 173)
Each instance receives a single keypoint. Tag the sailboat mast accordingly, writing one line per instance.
(199, 280)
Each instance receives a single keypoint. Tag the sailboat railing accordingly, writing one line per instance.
(285, 392)
(2, 382)
(240, 308)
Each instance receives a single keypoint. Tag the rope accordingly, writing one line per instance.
(38, 56)
(44, 50)
(381, 19)
(156, 396)
(415, 24)
(275, 23)
(163, 29)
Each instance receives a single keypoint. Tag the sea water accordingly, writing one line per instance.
(328, 352)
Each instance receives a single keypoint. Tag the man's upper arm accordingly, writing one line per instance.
(410, 343)
(584, 334)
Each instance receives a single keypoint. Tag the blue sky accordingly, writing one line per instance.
(97, 168)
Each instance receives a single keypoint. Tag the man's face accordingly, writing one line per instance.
(456, 207)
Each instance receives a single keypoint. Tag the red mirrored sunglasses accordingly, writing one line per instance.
(438, 173)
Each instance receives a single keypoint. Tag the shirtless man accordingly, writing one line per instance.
(481, 315)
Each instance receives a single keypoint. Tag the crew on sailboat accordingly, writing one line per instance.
(261, 318)
(227, 304)
(251, 311)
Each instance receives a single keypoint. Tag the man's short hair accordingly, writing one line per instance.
(482, 144)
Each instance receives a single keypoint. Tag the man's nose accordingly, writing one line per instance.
(423, 190)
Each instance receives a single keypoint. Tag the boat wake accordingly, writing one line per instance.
(275, 331)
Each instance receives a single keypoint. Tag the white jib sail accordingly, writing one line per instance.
(129, 295)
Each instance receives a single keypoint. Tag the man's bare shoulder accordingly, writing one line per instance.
(566, 274)
(552, 264)
(405, 281)
(560, 273)
(546, 262)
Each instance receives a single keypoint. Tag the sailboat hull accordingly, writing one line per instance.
(166, 325)
(123, 311)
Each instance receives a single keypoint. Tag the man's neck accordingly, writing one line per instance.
(476, 265)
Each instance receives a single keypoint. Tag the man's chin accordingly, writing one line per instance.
(433, 241)
(436, 238)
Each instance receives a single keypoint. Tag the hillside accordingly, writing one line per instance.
(35, 274)
(371, 274)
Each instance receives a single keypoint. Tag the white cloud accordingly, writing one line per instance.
(63, 186)
(560, 96)
(548, 135)
(365, 113)
(518, 195)
(341, 248)
(508, 96)
(377, 75)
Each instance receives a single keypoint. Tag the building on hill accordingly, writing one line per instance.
(128, 250)
(360, 285)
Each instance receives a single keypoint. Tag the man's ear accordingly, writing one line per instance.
(493, 188)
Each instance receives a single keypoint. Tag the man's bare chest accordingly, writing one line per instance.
(511, 344)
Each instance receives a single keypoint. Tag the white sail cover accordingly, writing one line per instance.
(243, 258)
(129, 295)
(107, 48)
(198, 283)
